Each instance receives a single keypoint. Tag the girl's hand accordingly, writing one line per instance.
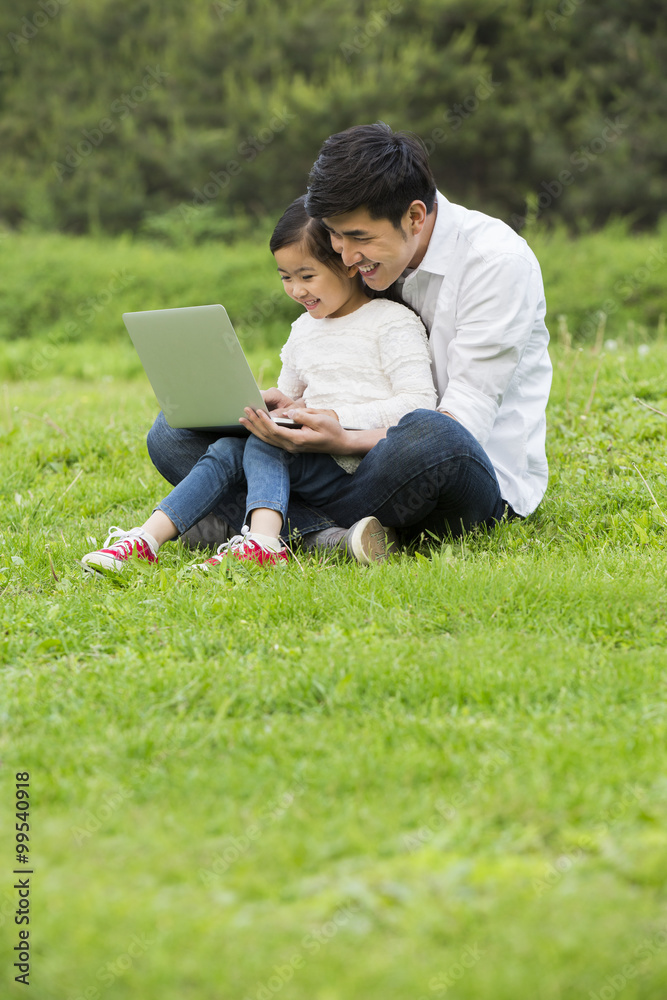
(276, 400)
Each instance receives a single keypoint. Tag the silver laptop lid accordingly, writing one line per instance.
(196, 366)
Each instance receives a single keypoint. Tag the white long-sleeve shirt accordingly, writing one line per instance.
(371, 367)
(479, 292)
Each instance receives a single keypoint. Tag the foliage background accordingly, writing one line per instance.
(509, 95)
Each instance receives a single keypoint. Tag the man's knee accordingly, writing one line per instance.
(429, 419)
(432, 432)
(155, 436)
(162, 443)
(420, 418)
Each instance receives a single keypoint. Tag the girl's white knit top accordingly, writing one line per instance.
(372, 366)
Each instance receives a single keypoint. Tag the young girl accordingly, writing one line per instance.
(366, 358)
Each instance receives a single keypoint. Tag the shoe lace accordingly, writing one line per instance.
(236, 543)
(123, 538)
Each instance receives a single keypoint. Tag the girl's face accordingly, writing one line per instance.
(323, 292)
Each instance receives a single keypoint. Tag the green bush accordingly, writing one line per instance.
(61, 290)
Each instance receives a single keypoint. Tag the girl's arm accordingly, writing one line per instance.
(290, 382)
(277, 400)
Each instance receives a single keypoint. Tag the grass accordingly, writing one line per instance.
(62, 298)
(444, 775)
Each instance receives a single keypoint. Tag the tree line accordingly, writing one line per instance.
(198, 119)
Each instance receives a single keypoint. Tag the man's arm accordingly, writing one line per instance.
(320, 432)
(496, 314)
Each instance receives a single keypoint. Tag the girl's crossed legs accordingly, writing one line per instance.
(237, 474)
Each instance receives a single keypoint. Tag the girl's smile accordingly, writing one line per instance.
(323, 292)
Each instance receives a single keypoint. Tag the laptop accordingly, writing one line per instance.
(197, 368)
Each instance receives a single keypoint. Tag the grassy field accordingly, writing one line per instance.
(440, 776)
(61, 298)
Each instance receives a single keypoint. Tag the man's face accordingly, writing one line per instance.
(379, 250)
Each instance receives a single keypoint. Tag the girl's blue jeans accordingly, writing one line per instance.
(428, 474)
(247, 472)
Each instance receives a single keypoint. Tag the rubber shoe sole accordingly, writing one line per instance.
(114, 558)
(368, 541)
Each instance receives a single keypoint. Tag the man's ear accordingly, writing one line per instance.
(415, 217)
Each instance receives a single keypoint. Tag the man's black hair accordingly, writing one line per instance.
(371, 167)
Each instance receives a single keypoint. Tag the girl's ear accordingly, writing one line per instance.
(352, 270)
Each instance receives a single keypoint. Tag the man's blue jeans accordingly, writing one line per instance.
(428, 474)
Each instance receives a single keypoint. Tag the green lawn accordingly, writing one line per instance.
(440, 776)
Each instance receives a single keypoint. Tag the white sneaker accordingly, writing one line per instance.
(369, 541)
(113, 558)
(366, 541)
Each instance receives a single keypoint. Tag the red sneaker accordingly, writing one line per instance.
(114, 557)
(245, 548)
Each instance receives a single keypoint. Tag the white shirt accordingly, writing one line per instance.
(371, 366)
(479, 292)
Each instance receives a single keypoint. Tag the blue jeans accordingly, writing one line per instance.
(232, 476)
(272, 474)
(428, 474)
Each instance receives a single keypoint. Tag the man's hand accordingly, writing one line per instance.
(320, 430)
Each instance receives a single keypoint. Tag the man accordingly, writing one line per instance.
(478, 289)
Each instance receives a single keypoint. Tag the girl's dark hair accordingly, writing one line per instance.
(296, 226)
(371, 167)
